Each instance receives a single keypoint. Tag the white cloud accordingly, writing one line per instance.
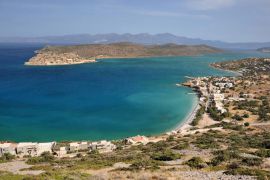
(209, 4)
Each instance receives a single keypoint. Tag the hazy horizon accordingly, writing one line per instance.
(224, 20)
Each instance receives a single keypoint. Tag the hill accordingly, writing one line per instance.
(265, 49)
(143, 38)
(60, 55)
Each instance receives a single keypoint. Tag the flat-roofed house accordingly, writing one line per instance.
(102, 146)
(83, 145)
(73, 146)
(8, 148)
(137, 140)
(45, 147)
(77, 146)
(27, 149)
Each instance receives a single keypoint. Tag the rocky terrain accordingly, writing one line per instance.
(60, 55)
(51, 58)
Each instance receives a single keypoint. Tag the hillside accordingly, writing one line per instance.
(142, 38)
(265, 49)
(60, 55)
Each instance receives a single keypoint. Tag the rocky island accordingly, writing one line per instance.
(77, 54)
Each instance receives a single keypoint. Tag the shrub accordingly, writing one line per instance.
(144, 164)
(260, 174)
(180, 146)
(195, 162)
(6, 157)
(264, 153)
(44, 157)
(237, 117)
(206, 141)
(252, 161)
(246, 124)
(224, 155)
(198, 116)
(166, 155)
(233, 165)
(170, 138)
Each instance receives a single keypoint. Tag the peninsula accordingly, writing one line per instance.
(77, 54)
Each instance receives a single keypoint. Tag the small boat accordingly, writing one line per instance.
(179, 85)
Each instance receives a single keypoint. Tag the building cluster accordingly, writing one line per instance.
(211, 90)
(65, 149)
(36, 149)
(136, 140)
(50, 58)
(26, 148)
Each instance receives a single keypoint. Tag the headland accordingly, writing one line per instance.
(68, 55)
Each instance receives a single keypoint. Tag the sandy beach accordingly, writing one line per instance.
(185, 125)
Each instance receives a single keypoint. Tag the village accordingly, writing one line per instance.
(61, 150)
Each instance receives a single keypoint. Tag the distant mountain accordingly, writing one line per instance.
(265, 49)
(144, 38)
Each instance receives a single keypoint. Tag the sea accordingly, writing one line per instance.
(110, 99)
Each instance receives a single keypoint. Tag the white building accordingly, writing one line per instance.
(140, 139)
(77, 146)
(219, 106)
(102, 146)
(8, 148)
(27, 149)
(218, 97)
(45, 147)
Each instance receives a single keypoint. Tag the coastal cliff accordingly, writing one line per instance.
(64, 55)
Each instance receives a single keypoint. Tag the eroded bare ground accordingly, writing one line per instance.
(166, 173)
(19, 167)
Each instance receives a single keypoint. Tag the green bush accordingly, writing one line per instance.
(252, 161)
(246, 124)
(260, 174)
(6, 157)
(198, 116)
(166, 155)
(223, 156)
(237, 117)
(195, 162)
(206, 141)
(144, 164)
(264, 153)
(44, 157)
(182, 145)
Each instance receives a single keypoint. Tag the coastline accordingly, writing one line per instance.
(230, 71)
(185, 124)
(28, 63)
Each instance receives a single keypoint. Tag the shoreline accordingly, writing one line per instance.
(185, 124)
(234, 72)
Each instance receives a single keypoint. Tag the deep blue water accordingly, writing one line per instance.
(110, 99)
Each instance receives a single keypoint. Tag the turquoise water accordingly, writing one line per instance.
(111, 99)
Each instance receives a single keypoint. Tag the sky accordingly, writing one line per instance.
(226, 20)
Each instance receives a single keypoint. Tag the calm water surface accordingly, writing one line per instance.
(110, 99)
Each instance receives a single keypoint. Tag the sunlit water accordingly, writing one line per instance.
(110, 99)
